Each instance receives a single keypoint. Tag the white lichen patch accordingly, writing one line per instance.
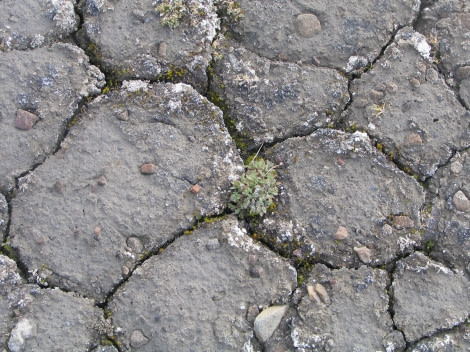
(418, 41)
(135, 86)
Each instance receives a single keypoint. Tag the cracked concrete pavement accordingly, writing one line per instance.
(121, 137)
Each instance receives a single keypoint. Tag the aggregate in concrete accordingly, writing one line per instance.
(48, 83)
(129, 40)
(428, 297)
(405, 105)
(323, 176)
(269, 101)
(200, 292)
(36, 23)
(122, 185)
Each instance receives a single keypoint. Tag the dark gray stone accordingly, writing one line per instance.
(130, 41)
(356, 318)
(189, 298)
(32, 24)
(330, 34)
(268, 101)
(428, 297)
(331, 179)
(406, 107)
(81, 236)
(447, 236)
(49, 82)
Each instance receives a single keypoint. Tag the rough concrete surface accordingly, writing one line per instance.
(125, 124)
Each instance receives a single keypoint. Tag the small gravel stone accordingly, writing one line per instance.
(363, 253)
(307, 25)
(101, 181)
(267, 321)
(255, 271)
(138, 339)
(25, 120)
(341, 233)
(461, 201)
(456, 167)
(312, 294)
(321, 290)
(135, 244)
(213, 243)
(402, 222)
(195, 189)
(413, 139)
(147, 169)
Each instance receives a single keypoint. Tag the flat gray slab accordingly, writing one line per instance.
(351, 316)
(123, 184)
(199, 293)
(11, 297)
(335, 183)
(329, 34)
(48, 83)
(428, 297)
(447, 235)
(405, 105)
(130, 41)
(55, 319)
(32, 24)
(456, 339)
(268, 101)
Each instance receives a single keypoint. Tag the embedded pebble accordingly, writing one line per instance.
(387, 230)
(195, 189)
(97, 231)
(147, 169)
(321, 290)
(101, 181)
(307, 25)
(312, 294)
(413, 139)
(461, 201)
(414, 82)
(267, 321)
(213, 243)
(402, 222)
(135, 244)
(456, 167)
(341, 233)
(138, 339)
(363, 253)
(25, 120)
(59, 187)
(256, 271)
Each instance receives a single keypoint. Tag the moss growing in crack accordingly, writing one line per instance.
(173, 74)
(429, 247)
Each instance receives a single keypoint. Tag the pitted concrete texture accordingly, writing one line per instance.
(124, 124)
(120, 186)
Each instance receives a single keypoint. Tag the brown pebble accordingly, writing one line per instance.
(403, 222)
(307, 25)
(252, 259)
(123, 116)
(25, 120)
(413, 139)
(97, 231)
(101, 181)
(341, 233)
(461, 202)
(147, 169)
(162, 49)
(340, 161)
(195, 189)
(59, 187)
(415, 82)
(298, 253)
(312, 295)
(363, 253)
(256, 271)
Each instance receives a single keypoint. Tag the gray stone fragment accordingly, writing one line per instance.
(12, 297)
(190, 298)
(325, 33)
(271, 100)
(447, 235)
(357, 317)
(48, 82)
(81, 239)
(3, 214)
(129, 40)
(322, 177)
(32, 24)
(268, 320)
(55, 318)
(457, 339)
(418, 126)
(428, 297)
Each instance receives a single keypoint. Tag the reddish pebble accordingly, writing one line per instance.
(340, 161)
(147, 169)
(97, 230)
(196, 188)
(25, 120)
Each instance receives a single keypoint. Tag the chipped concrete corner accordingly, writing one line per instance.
(124, 124)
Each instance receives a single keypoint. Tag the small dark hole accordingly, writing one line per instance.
(435, 120)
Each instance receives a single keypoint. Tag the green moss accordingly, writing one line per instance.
(300, 279)
(94, 52)
(429, 246)
(8, 251)
(173, 74)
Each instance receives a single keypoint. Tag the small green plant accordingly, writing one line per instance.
(253, 194)
(171, 12)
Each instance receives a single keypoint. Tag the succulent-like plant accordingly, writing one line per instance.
(254, 192)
